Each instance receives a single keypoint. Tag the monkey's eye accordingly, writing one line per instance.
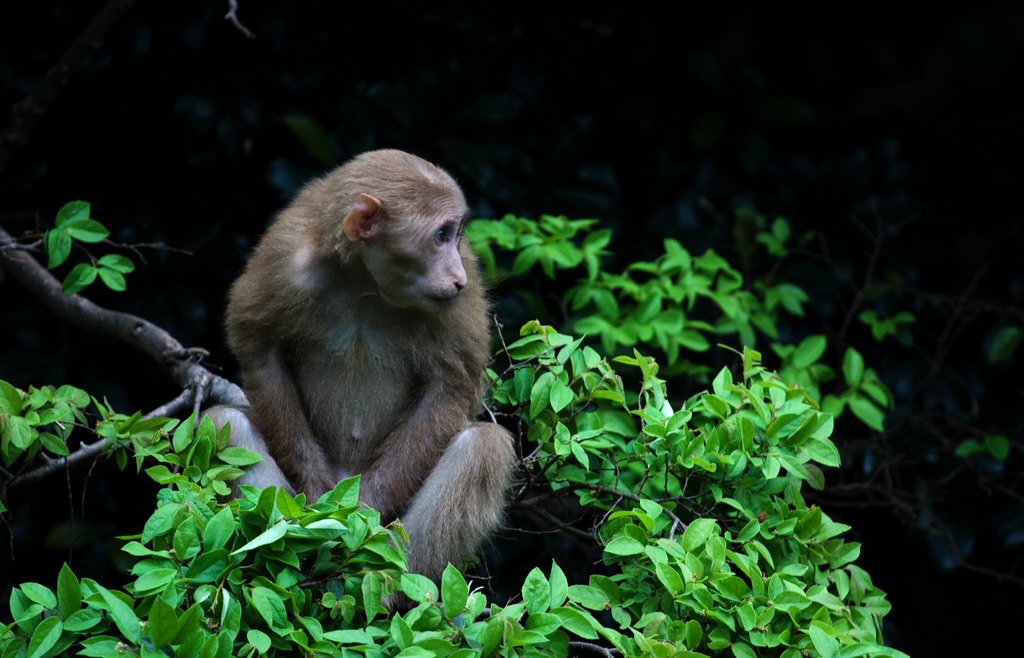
(446, 233)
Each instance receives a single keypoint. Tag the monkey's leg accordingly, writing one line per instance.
(244, 434)
(462, 501)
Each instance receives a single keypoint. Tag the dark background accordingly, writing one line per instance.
(854, 121)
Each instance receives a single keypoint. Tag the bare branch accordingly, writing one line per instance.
(232, 16)
(182, 364)
(27, 112)
(594, 648)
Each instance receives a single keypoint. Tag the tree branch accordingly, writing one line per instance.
(183, 364)
(232, 16)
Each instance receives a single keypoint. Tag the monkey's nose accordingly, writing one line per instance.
(459, 277)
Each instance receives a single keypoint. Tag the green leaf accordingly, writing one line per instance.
(155, 579)
(418, 588)
(270, 606)
(577, 622)
(1004, 344)
(844, 554)
(559, 585)
(698, 533)
(809, 351)
(124, 617)
(79, 277)
(52, 443)
(268, 536)
(825, 645)
(808, 524)
(73, 211)
(454, 592)
(867, 412)
(39, 594)
(540, 394)
(209, 566)
(624, 546)
(161, 521)
(219, 530)
(87, 230)
(670, 578)
(589, 596)
(372, 591)
(261, 641)
(822, 451)
(58, 246)
(162, 624)
(18, 431)
(401, 633)
(112, 279)
(44, 637)
(536, 592)
(10, 399)
(853, 367)
(348, 636)
(83, 620)
(560, 396)
(998, 446)
(117, 263)
(69, 592)
(742, 650)
(237, 456)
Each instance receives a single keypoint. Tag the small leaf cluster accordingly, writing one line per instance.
(73, 223)
(547, 243)
(863, 392)
(38, 420)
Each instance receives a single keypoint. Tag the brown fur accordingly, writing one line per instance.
(362, 338)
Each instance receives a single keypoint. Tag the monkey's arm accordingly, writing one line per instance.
(279, 414)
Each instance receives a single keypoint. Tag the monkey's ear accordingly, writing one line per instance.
(363, 221)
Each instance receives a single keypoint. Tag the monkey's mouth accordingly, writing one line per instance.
(444, 301)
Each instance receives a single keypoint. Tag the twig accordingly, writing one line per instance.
(232, 16)
(560, 524)
(594, 648)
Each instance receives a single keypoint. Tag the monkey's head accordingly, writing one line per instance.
(405, 222)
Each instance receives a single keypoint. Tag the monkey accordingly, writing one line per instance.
(361, 328)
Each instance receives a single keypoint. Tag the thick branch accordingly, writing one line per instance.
(181, 363)
(27, 112)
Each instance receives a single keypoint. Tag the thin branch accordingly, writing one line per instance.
(232, 16)
(531, 503)
(594, 648)
(560, 524)
(27, 112)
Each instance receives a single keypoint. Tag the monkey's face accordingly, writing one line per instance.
(419, 264)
